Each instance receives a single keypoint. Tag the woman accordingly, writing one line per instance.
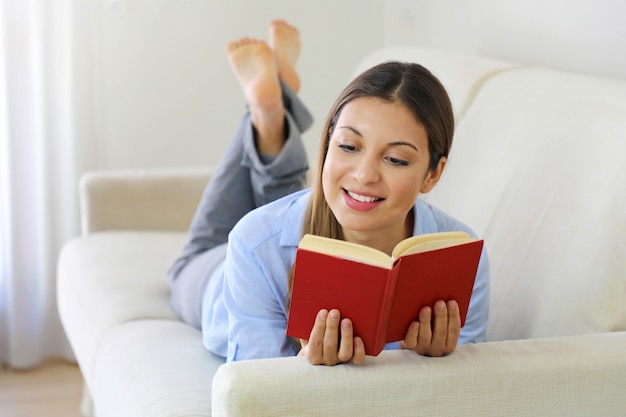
(386, 140)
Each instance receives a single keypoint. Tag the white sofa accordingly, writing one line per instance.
(538, 169)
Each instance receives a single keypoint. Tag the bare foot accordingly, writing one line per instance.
(285, 42)
(253, 63)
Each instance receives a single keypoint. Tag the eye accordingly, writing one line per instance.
(347, 148)
(397, 162)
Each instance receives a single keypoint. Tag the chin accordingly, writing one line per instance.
(356, 225)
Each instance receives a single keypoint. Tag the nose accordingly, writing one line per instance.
(367, 171)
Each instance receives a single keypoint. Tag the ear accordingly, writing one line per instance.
(433, 176)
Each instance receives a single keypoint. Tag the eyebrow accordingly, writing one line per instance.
(394, 143)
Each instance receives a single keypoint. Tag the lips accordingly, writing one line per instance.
(361, 202)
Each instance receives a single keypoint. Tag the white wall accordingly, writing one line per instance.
(153, 87)
(159, 85)
(587, 36)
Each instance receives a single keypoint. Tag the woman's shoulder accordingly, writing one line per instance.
(430, 219)
(280, 219)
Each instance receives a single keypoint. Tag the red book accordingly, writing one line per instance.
(381, 294)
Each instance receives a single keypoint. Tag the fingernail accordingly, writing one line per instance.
(322, 315)
(334, 315)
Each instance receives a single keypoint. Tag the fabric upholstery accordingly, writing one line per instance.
(158, 199)
(575, 376)
(109, 278)
(538, 168)
(151, 374)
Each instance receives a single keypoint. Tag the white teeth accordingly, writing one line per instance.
(362, 198)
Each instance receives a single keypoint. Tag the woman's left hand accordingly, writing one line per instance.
(441, 337)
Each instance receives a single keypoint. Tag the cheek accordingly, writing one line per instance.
(330, 171)
(328, 179)
(326, 176)
(406, 190)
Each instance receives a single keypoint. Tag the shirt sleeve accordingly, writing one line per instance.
(255, 300)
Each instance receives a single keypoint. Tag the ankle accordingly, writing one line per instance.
(270, 131)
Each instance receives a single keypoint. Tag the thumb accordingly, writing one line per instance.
(303, 350)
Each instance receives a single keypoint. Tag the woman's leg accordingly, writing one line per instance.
(265, 160)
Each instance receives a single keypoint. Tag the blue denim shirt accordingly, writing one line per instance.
(245, 304)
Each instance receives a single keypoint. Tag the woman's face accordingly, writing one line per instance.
(376, 165)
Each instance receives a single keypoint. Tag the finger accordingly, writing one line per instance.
(346, 344)
(425, 333)
(314, 347)
(359, 351)
(319, 328)
(331, 337)
(454, 326)
(440, 329)
(304, 350)
(410, 339)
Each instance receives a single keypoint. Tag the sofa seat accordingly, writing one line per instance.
(122, 327)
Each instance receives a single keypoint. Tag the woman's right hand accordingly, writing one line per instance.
(332, 341)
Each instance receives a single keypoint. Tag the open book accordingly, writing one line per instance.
(381, 294)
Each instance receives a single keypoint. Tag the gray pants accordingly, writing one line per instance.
(243, 181)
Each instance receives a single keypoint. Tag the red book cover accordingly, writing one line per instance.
(380, 302)
(424, 278)
(358, 290)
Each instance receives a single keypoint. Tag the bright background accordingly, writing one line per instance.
(162, 93)
(127, 84)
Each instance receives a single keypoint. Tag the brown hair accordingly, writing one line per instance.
(408, 83)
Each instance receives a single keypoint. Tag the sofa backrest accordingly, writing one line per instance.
(538, 169)
(154, 199)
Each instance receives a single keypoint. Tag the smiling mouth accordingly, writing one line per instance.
(362, 198)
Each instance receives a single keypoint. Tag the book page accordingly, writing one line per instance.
(436, 244)
(409, 245)
(346, 250)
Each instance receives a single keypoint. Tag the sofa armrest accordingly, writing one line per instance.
(566, 376)
(156, 199)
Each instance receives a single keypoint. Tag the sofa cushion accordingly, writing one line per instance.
(153, 368)
(548, 197)
(109, 278)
